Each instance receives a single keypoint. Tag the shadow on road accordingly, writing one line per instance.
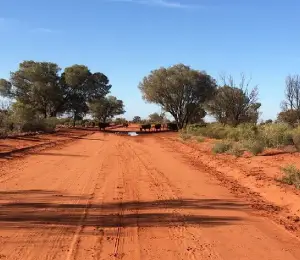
(60, 154)
(37, 208)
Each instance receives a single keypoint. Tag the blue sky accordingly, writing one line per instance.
(126, 39)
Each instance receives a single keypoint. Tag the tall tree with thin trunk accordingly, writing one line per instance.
(233, 103)
(291, 105)
(179, 90)
(35, 84)
(80, 87)
(106, 108)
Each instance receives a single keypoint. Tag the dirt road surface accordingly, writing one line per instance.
(115, 197)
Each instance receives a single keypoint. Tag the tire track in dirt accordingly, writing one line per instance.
(164, 190)
(279, 214)
(56, 232)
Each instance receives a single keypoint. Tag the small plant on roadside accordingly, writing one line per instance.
(276, 135)
(254, 146)
(291, 175)
(221, 147)
(236, 150)
(184, 135)
(200, 139)
(296, 139)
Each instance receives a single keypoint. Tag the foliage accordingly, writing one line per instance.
(269, 121)
(200, 139)
(179, 90)
(275, 135)
(5, 126)
(40, 91)
(221, 147)
(290, 116)
(296, 138)
(35, 84)
(184, 135)
(120, 120)
(232, 104)
(254, 146)
(156, 118)
(291, 175)
(237, 150)
(136, 119)
(106, 108)
(80, 87)
(197, 117)
(291, 105)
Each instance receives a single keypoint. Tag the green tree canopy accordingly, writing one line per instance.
(179, 90)
(106, 108)
(290, 116)
(156, 118)
(233, 104)
(136, 119)
(35, 84)
(80, 87)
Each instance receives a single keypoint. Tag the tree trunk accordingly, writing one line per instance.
(74, 119)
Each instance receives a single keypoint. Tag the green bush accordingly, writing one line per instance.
(221, 147)
(184, 135)
(254, 146)
(296, 138)
(291, 175)
(236, 150)
(200, 139)
(254, 138)
(276, 135)
(49, 124)
(5, 124)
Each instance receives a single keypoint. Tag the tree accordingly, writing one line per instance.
(156, 118)
(136, 119)
(35, 84)
(233, 104)
(80, 87)
(179, 90)
(120, 120)
(269, 121)
(289, 116)
(198, 116)
(5, 88)
(292, 93)
(106, 108)
(291, 105)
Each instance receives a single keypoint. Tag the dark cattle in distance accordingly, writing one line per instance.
(145, 127)
(157, 127)
(125, 125)
(102, 126)
(172, 127)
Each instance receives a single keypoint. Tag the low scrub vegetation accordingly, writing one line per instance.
(237, 150)
(221, 147)
(291, 175)
(184, 135)
(247, 137)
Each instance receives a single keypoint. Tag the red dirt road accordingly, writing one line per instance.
(115, 197)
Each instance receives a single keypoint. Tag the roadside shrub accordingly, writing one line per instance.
(200, 139)
(49, 125)
(236, 150)
(254, 146)
(184, 135)
(5, 126)
(291, 175)
(276, 135)
(221, 147)
(296, 138)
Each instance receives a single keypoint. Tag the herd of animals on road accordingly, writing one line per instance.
(144, 127)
